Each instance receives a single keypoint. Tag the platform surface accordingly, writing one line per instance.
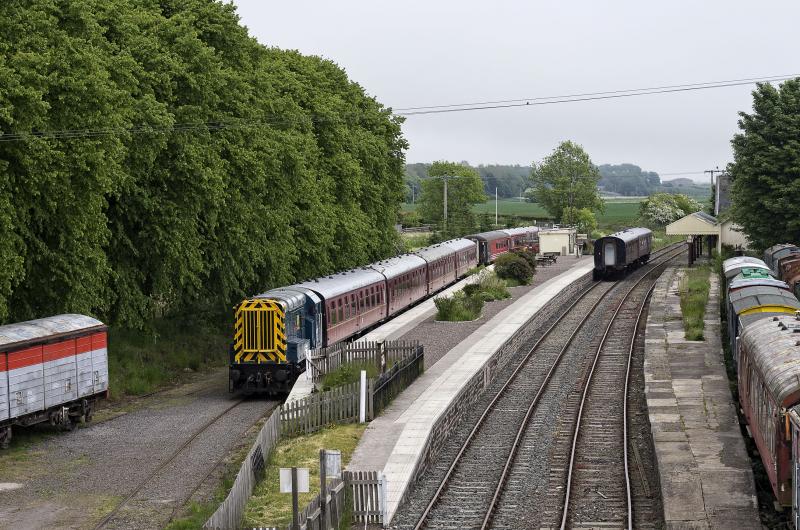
(394, 440)
(705, 473)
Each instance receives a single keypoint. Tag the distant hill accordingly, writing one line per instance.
(627, 180)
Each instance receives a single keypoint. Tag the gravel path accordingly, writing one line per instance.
(73, 480)
(438, 338)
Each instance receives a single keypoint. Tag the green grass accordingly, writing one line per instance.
(618, 212)
(414, 241)
(348, 373)
(143, 361)
(458, 308)
(269, 507)
(694, 296)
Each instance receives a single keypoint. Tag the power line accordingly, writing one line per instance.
(286, 120)
(746, 80)
(569, 99)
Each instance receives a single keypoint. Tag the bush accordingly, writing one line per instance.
(528, 256)
(512, 267)
(490, 288)
(458, 308)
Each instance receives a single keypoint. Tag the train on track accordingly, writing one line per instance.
(621, 251)
(764, 333)
(54, 370)
(275, 331)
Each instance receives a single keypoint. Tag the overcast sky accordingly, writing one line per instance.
(415, 53)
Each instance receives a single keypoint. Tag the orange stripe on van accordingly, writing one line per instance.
(24, 358)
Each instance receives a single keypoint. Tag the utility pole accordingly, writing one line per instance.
(712, 171)
(495, 205)
(444, 219)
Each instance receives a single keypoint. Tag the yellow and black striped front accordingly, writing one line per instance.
(260, 332)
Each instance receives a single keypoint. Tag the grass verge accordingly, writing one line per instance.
(268, 507)
(467, 304)
(694, 296)
(143, 361)
(348, 373)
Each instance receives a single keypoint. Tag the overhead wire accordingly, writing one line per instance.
(404, 112)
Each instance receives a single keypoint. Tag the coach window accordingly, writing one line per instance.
(353, 305)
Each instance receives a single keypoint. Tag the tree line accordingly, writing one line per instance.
(156, 160)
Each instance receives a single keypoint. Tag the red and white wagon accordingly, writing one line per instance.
(52, 369)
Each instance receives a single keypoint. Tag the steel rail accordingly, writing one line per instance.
(489, 408)
(470, 437)
(523, 425)
(105, 520)
(587, 385)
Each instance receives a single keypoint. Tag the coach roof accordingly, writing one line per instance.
(774, 347)
(45, 327)
(394, 267)
(629, 234)
(343, 282)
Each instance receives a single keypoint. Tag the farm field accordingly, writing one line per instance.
(617, 212)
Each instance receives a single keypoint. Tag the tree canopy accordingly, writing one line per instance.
(167, 163)
(462, 192)
(766, 166)
(566, 179)
(663, 208)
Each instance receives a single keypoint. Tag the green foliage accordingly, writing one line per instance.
(566, 178)
(766, 166)
(140, 362)
(413, 242)
(582, 218)
(348, 373)
(303, 177)
(694, 296)
(663, 208)
(462, 193)
(489, 288)
(528, 256)
(514, 267)
(458, 308)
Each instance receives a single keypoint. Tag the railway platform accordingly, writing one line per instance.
(395, 441)
(705, 473)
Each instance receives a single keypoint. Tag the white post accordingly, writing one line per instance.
(495, 206)
(362, 411)
(383, 493)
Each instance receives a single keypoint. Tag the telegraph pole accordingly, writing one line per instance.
(444, 219)
(712, 171)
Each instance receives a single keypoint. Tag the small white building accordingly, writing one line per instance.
(557, 240)
(723, 230)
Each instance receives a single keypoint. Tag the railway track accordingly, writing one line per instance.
(116, 518)
(598, 490)
(494, 477)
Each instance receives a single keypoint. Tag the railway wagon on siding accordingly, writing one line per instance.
(769, 386)
(54, 370)
(733, 266)
(774, 253)
(620, 251)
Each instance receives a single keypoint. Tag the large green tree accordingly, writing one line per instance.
(464, 188)
(766, 166)
(566, 180)
(157, 160)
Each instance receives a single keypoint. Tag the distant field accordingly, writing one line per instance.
(618, 210)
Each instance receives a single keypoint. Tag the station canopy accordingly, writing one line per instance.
(694, 224)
